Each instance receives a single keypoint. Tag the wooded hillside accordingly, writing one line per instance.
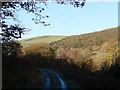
(93, 50)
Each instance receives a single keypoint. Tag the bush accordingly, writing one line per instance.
(42, 48)
(11, 48)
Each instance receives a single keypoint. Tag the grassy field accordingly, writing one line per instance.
(40, 39)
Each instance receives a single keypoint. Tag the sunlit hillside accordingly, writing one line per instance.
(40, 39)
(88, 40)
(95, 50)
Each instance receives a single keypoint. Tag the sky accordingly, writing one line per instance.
(66, 20)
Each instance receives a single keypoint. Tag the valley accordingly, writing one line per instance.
(85, 61)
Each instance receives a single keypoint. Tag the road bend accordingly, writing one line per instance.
(53, 79)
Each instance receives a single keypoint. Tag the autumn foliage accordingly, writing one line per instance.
(93, 64)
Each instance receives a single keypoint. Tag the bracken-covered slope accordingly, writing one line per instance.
(90, 39)
(95, 50)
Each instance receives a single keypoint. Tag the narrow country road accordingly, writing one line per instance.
(53, 80)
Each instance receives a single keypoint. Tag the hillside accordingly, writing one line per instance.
(93, 50)
(87, 40)
(40, 39)
(82, 61)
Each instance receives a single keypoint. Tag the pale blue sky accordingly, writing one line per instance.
(67, 20)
